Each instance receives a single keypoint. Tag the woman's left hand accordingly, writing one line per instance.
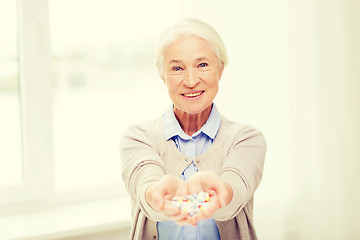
(220, 192)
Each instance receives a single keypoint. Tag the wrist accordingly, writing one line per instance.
(228, 196)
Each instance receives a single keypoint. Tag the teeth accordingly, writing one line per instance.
(192, 94)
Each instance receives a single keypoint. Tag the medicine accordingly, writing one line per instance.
(192, 203)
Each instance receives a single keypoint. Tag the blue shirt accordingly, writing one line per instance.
(190, 146)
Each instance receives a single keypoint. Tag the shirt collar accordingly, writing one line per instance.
(171, 126)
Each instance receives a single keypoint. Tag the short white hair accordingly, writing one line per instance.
(189, 27)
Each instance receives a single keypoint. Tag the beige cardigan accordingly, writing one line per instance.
(237, 155)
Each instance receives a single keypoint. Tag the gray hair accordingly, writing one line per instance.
(189, 27)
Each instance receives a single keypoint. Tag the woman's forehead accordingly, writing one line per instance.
(189, 42)
(190, 47)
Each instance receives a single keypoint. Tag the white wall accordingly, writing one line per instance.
(339, 83)
(294, 73)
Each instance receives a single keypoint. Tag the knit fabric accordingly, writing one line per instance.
(237, 155)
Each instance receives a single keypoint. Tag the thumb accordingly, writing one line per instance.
(225, 193)
(159, 202)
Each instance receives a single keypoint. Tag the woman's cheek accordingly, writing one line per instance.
(172, 85)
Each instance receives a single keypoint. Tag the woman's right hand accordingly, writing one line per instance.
(159, 195)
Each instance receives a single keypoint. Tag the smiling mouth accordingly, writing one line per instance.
(193, 95)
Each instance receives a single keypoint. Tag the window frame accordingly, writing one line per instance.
(36, 103)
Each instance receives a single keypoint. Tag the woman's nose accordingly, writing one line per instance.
(191, 79)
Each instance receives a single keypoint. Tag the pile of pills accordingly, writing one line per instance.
(192, 204)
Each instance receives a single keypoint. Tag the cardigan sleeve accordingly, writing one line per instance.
(141, 165)
(242, 167)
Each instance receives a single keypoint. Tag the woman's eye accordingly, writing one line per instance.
(177, 68)
(201, 65)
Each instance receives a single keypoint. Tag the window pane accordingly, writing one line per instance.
(10, 133)
(104, 80)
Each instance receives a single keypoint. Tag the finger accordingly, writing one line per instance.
(169, 209)
(225, 193)
(182, 190)
(211, 192)
(170, 188)
(191, 220)
(194, 187)
(181, 218)
(157, 202)
(184, 221)
(208, 209)
(159, 193)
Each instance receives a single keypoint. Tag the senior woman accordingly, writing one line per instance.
(192, 148)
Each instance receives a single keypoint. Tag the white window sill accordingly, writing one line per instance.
(68, 220)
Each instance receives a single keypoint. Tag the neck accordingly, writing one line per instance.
(191, 123)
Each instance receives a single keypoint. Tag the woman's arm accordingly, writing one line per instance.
(145, 178)
(141, 166)
(242, 168)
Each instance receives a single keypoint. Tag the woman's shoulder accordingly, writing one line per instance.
(239, 131)
(147, 129)
(149, 125)
(236, 127)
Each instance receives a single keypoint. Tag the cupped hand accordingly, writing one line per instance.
(160, 194)
(220, 192)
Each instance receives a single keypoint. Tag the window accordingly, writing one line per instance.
(35, 101)
(85, 73)
(11, 165)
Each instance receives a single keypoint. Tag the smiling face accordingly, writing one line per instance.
(191, 73)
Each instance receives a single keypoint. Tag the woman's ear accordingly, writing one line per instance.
(221, 70)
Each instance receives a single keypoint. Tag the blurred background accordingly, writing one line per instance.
(75, 74)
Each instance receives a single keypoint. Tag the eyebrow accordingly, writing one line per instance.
(175, 61)
(196, 60)
(201, 59)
